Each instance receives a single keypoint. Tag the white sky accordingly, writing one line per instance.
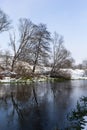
(67, 17)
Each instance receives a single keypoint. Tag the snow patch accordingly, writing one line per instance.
(77, 74)
(85, 126)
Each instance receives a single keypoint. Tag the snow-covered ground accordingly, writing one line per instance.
(75, 73)
(6, 79)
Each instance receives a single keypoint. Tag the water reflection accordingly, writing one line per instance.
(38, 106)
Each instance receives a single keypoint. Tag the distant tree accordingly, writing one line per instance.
(84, 64)
(4, 22)
(79, 66)
(1, 53)
(1, 59)
(5, 60)
(61, 56)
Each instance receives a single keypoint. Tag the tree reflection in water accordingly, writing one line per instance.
(16, 107)
(17, 101)
(41, 106)
(35, 105)
(22, 105)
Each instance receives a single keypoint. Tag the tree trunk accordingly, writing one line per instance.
(34, 65)
(36, 60)
(13, 62)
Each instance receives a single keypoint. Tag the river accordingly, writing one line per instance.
(39, 106)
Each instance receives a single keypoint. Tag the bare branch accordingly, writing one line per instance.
(4, 22)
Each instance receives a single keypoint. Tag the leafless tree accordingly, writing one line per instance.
(61, 56)
(5, 60)
(36, 51)
(25, 32)
(4, 22)
(41, 45)
(84, 64)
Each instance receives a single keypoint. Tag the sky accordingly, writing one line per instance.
(66, 17)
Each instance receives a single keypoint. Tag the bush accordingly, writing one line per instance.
(23, 72)
(61, 74)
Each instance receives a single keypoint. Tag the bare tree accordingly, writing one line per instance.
(4, 21)
(61, 56)
(41, 46)
(25, 32)
(84, 64)
(36, 51)
(5, 60)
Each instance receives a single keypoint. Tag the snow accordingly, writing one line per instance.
(6, 79)
(85, 126)
(77, 74)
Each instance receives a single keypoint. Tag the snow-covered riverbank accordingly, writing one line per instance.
(75, 75)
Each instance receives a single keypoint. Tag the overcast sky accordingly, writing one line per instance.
(67, 17)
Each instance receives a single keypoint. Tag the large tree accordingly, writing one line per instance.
(36, 51)
(25, 32)
(41, 45)
(61, 56)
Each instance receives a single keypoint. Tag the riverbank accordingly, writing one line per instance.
(30, 80)
(76, 74)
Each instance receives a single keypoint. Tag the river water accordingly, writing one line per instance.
(39, 106)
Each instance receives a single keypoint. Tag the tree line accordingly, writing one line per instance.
(34, 45)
